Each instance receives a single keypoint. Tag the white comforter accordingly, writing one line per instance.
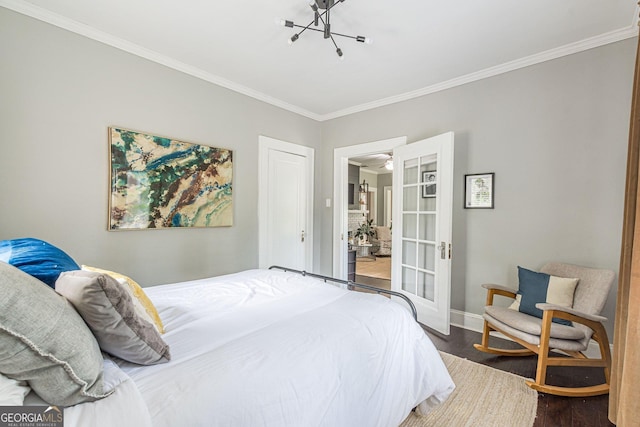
(267, 348)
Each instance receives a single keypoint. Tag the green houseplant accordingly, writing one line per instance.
(365, 231)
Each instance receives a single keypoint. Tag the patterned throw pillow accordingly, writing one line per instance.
(534, 288)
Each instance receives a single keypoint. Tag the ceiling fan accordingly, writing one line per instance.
(388, 164)
(387, 158)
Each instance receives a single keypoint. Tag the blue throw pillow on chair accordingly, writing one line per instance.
(534, 288)
(38, 258)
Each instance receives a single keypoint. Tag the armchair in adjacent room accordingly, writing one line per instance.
(382, 240)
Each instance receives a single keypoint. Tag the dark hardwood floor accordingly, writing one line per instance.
(553, 411)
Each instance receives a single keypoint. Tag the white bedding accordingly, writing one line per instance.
(267, 348)
(125, 407)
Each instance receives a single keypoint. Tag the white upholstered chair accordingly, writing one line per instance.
(539, 336)
(383, 241)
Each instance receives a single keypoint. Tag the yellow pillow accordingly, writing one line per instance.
(137, 294)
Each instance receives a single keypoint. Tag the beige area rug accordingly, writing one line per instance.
(379, 268)
(484, 397)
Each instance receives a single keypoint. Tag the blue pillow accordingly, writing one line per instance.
(537, 287)
(38, 258)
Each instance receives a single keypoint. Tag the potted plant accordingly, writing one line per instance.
(365, 231)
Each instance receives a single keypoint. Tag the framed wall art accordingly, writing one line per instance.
(430, 180)
(158, 182)
(478, 191)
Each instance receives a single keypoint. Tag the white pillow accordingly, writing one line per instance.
(12, 392)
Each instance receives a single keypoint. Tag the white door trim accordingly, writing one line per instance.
(265, 144)
(340, 202)
(387, 206)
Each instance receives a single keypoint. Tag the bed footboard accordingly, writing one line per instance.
(351, 285)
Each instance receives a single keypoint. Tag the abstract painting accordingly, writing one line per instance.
(158, 182)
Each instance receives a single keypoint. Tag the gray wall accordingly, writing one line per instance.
(58, 94)
(555, 134)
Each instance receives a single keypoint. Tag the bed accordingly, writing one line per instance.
(270, 348)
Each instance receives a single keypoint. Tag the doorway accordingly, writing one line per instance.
(422, 219)
(342, 197)
(367, 235)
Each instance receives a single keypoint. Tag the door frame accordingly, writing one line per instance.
(340, 196)
(265, 144)
(386, 211)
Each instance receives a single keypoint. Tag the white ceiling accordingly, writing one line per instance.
(420, 46)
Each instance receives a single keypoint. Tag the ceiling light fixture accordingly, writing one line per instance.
(389, 165)
(323, 17)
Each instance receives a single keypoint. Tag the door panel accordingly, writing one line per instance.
(287, 210)
(285, 204)
(423, 177)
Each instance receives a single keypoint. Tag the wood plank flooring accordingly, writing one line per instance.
(553, 411)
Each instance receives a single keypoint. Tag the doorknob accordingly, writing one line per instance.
(443, 250)
(302, 236)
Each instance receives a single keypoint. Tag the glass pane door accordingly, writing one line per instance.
(422, 227)
(420, 248)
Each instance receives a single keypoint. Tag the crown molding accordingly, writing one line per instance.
(569, 49)
(49, 17)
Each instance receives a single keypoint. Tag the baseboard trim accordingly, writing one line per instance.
(475, 322)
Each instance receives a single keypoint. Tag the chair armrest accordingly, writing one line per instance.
(493, 289)
(593, 317)
(490, 286)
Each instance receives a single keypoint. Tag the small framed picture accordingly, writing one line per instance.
(478, 191)
(430, 179)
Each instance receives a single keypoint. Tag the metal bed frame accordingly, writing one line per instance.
(351, 285)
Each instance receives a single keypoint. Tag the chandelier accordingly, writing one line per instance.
(322, 14)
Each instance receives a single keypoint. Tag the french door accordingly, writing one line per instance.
(422, 227)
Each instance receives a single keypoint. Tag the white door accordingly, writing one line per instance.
(422, 217)
(286, 173)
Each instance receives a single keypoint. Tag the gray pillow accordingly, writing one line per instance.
(109, 311)
(45, 342)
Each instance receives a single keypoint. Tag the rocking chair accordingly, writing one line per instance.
(539, 336)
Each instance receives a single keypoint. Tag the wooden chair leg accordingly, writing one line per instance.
(600, 336)
(484, 345)
(543, 352)
(486, 330)
(579, 359)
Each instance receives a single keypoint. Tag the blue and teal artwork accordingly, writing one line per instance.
(159, 182)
